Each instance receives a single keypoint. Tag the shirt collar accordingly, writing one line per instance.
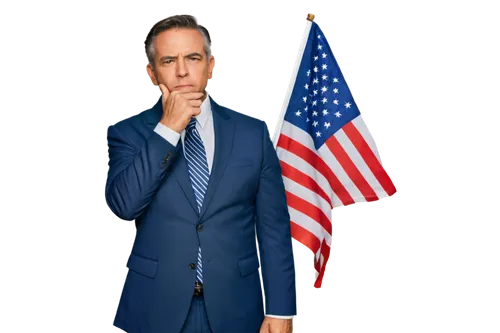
(205, 111)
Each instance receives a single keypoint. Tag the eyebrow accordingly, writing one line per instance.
(186, 56)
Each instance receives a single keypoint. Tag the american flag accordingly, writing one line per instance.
(327, 155)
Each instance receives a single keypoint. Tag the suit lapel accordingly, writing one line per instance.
(224, 134)
(179, 169)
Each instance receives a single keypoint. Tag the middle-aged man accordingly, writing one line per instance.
(201, 181)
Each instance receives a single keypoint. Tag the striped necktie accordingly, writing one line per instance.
(194, 152)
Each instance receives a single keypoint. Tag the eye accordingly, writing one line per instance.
(194, 58)
(167, 61)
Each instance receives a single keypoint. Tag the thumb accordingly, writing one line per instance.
(264, 328)
(164, 91)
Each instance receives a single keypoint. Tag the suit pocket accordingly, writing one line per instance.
(141, 265)
(249, 265)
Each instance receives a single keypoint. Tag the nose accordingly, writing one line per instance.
(181, 69)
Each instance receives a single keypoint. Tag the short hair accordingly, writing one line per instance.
(172, 22)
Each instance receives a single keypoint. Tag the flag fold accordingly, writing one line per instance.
(327, 155)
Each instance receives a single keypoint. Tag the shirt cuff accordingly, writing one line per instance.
(167, 133)
(280, 317)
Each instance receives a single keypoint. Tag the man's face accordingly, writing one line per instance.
(180, 62)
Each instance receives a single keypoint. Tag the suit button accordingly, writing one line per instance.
(165, 159)
(193, 266)
(199, 227)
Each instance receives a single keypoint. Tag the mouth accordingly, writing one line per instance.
(183, 86)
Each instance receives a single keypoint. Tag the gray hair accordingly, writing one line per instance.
(176, 21)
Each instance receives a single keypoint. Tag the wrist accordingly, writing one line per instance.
(173, 127)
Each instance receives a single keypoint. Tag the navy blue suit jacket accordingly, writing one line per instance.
(148, 182)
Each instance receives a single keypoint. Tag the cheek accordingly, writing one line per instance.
(202, 74)
(166, 77)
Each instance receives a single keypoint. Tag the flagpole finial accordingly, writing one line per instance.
(311, 16)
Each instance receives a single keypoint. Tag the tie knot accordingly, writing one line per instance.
(192, 123)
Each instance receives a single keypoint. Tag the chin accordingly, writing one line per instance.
(187, 88)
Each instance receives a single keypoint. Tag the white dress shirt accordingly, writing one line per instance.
(204, 126)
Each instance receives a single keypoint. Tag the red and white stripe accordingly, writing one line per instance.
(345, 170)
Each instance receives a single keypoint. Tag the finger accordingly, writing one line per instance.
(164, 91)
(195, 102)
(195, 111)
(265, 328)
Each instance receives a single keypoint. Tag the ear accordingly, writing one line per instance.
(151, 73)
(211, 64)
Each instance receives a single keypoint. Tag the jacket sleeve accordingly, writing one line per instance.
(274, 235)
(134, 174)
